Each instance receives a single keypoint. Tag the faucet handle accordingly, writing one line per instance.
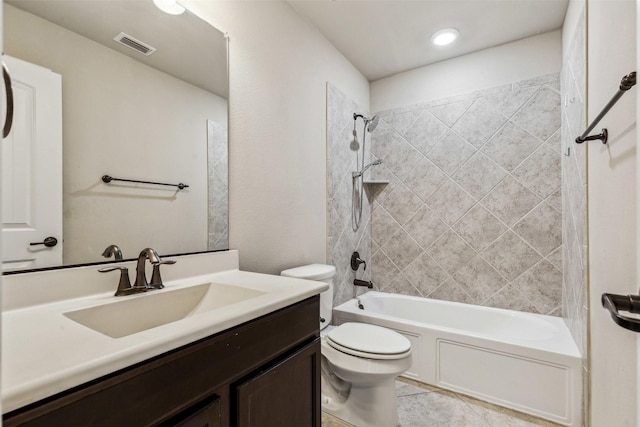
(124, 285)
(356, 261)
(156, 279)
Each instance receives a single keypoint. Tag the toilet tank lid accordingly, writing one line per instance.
(311, 272)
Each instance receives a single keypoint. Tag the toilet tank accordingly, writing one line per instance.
(320, 273)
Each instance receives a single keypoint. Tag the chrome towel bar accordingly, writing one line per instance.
(626, 83)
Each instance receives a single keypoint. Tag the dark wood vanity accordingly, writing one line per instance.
(265, 372)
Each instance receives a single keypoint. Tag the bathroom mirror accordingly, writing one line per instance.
(160, 117)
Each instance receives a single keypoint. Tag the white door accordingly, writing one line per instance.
(32, 170)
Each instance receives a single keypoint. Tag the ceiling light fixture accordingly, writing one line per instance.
(444, 37)
(169, 6)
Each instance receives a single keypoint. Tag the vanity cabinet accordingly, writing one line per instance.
(280, 394)
(206, 414)
(265, 372)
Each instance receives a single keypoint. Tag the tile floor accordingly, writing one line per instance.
(421, 405)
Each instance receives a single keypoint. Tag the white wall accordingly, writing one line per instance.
(279, 66)
(571, 18)
(131, 121)
(612, 210)
(519, 60)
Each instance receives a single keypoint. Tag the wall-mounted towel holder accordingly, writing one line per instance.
(629, 303)
(107, 179)
(626, 83)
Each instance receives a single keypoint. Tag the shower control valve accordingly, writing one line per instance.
(356, 261)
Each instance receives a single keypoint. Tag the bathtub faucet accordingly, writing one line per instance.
(358, 282)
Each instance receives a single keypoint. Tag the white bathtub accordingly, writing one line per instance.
(527, 362)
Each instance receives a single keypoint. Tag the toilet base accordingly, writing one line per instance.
(370, 406)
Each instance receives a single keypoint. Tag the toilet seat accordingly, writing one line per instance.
(368, 341)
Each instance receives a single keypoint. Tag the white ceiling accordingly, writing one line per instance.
(188, 48)
(379, 37)
(384, 37)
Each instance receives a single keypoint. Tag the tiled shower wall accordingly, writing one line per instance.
(472, 211)
(341, 161)
(574, 187)
(575, 309)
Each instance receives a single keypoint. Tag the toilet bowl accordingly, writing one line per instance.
(360, 362)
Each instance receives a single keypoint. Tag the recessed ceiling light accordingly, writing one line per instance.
(169, 6)
(445, 36)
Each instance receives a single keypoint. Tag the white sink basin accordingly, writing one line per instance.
(152, 309)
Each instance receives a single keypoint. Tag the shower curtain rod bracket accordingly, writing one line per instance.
(602, 136)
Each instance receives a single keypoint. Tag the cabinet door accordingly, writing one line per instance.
(284, 394)
(207, 414)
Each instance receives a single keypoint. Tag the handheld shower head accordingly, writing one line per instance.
(354, 142)
(361, 172)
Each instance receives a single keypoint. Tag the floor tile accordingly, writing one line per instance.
(422, 405)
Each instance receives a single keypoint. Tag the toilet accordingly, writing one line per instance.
(360, 362)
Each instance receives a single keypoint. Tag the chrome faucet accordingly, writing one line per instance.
(141, 283)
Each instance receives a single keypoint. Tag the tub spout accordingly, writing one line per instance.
(358, 282)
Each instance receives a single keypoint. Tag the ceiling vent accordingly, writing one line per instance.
(134, 44)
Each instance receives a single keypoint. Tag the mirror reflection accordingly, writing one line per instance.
(114, 88)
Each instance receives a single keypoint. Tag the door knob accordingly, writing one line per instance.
(48, 242)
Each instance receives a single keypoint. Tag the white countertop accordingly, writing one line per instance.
(44, 352)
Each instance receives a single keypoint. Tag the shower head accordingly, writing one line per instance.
(372, 123)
